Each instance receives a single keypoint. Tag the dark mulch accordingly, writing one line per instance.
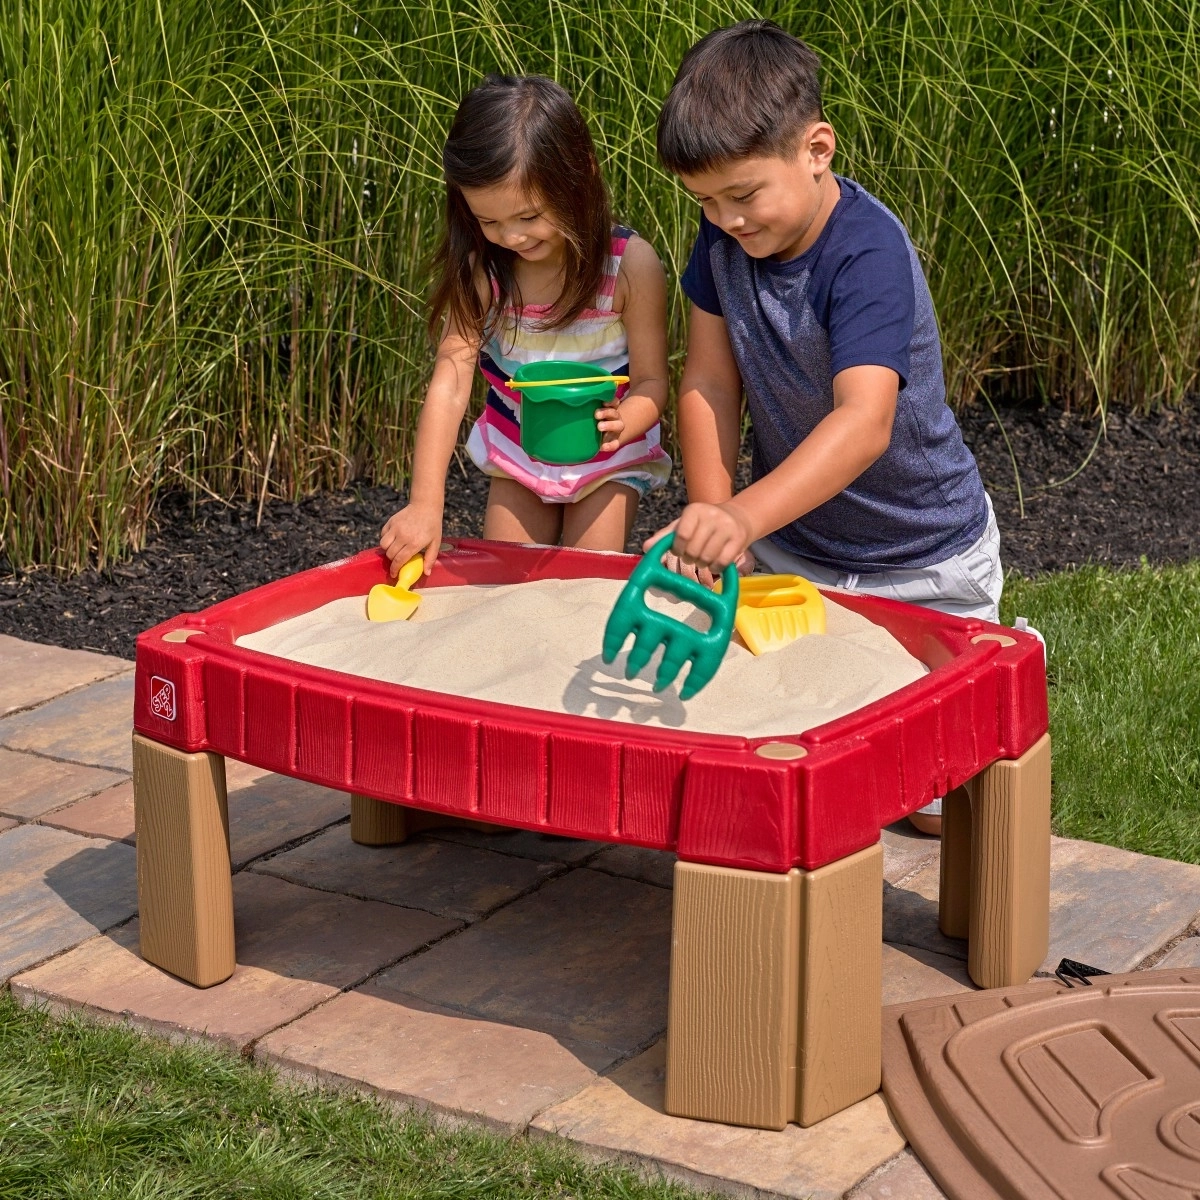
(1138, 496)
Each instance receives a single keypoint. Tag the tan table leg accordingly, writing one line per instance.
(377, 823)
(380, 823)
(1010, 868)
(185, 890)
(776, 987)
(954, 894)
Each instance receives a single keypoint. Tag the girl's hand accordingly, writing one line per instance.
(611, 425)
(415, 529)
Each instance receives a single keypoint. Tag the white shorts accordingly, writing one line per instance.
(967, 585)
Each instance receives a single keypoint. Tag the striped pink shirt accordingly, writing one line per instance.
(596, 337)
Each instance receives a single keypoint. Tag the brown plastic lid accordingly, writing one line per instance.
(1044, 1092)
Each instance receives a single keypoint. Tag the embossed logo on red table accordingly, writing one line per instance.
(162, 698)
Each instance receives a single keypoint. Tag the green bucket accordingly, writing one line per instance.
(558, 424)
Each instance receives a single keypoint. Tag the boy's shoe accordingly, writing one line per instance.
(928, 819)
(1022, 625)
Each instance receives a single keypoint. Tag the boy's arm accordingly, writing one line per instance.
(710, 410)
(641, 300)
(709, 424)
(842, 446)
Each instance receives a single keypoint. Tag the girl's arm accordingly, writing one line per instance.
(641, 299)
(417, 528)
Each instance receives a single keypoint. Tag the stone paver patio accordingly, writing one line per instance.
(509, 979)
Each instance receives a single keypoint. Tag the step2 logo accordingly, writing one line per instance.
(162, 698)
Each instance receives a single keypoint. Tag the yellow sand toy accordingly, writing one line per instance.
(394, 601)
(774, 610)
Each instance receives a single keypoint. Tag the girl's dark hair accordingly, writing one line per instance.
(527, 129)
(750, 89)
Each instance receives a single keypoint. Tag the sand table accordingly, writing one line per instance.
(538, 645)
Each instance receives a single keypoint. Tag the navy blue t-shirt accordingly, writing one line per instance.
(856, 297)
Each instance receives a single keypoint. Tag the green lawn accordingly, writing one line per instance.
(1124, 666)
(89, 1112)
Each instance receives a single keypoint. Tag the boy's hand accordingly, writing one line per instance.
(708, 537)
(611, 425)
(415, 529)
(712, 535)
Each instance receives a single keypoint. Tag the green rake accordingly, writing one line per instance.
(704, 649)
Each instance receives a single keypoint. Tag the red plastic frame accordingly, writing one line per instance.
(710, 798)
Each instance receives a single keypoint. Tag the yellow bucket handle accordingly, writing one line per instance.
(517, 384)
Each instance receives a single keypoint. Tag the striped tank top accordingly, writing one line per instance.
(597, 337)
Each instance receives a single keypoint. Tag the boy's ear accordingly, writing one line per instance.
(821, 144)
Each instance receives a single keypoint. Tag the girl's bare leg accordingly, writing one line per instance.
(602, 519)
(515, 514)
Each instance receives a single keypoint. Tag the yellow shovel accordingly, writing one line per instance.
(393, 601)
(774, 610)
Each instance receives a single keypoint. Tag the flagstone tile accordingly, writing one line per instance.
(904, 1178)
(525, 843)
(621, 1117)
(437, 876)
(107, 977)
(1110, 908)
(585, 958)
(295, 947)
(58, 889)
(267, 811)
(637, 862)
(31, 674)
(106, 814)
(436, 1060)
(910, 973)
(1186, 954)
(6, 823)
(31, 785)
(906, 850)
(910, 913)
(92, 725)
(307, 934)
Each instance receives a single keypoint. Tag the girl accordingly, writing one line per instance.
(532, 268)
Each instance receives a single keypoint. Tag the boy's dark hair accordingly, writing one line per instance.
(528, 129)
(750, 89)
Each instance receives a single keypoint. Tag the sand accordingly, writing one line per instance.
(538, 645)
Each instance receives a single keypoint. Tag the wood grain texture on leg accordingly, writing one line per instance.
(841, 984)
(185, 890)
(376, 822)
(732, 1016)
(954, 893)
(1010, 868)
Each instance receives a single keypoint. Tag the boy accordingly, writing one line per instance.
(807, 294)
